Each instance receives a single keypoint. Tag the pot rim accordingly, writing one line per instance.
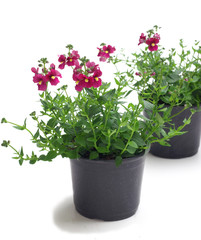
(135, 158)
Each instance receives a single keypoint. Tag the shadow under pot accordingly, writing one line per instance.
(101, 190)
(185, 145)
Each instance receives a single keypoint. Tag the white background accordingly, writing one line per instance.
(36, 200)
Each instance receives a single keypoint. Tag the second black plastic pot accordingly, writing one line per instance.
(185, 145)
(104, 191)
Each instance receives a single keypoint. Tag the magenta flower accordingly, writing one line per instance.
(92, 67)
(76, 76)
(102, 59)
(62, 60)
(78, 87)
(41, 82)
(52, 76)
(75, 54)
(105, 52)
(142, 39)
(97, 81)
(152, 42)
(153, 74)
(39, 79)
(157, 36)
(72, 60)
(138, 74)
(85, 82)
(108, 50)
(34, 70)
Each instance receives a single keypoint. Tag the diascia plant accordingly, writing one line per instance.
(170, 76)
(99, 122)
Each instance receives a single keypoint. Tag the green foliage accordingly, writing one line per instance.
(5, 143)
(100, 123)
(177, 79)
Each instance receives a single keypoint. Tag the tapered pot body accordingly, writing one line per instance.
(185, 145)
(104, 191)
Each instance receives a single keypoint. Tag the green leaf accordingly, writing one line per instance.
(52, 123)
(36, 134)
(19, 127)
(159, 118)
(119, 144)
(91, 139)
(21, 161)
(133, 144)
(187, 121)
(93, 110)
(45, 104)
(103, 150)
(131, 150)
(172, 78)
(51, 155)
(90, 92)
(72, 154)
(42, 157)
(25, 123)
(81, 140)
(138, 139)
(43, 140)
(108, 95)
(93, 155)
(148, 105)
(118, 161)
(21, 152)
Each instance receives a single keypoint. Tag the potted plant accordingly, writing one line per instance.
(172, 79)
(105, 136)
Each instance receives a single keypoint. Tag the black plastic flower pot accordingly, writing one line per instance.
(185, 145)
(107, 192)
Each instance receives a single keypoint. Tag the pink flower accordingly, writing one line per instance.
(157, 36)
(52, 77)
(41, 82)
(142, 39)
(152, 42)
(92, 67)
(73, 58)
(76, 71)
(75, 54)
(52, 66)
(186, 79)
(82, 81)
(105, 52)
(71, 61)
(97, 81)
(85, 82)
(102, 59)
(78, 87)
(34, 70)
(77, 65)
(138, 74)
(153, 74)
(62, 60)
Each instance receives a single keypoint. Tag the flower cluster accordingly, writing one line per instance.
(105, 51)
(150, 41)
(86, 74)
(71, 60)
(90, 77)
(48, 75)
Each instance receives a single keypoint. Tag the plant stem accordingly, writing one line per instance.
(17, 125)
